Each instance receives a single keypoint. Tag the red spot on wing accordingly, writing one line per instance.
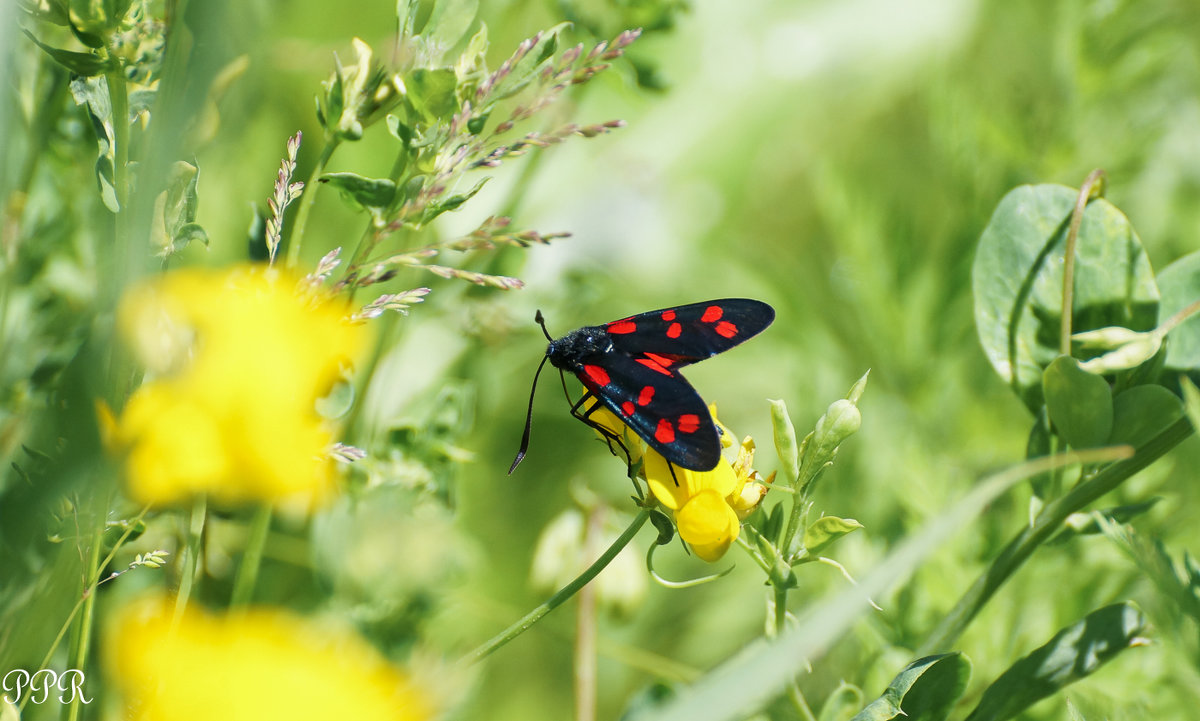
(628, 408)
(645, 395)
(668, 315)
(664, 433)
(689, 423)
(727, 329)
(598, 375)
(621, 327)
(654, 365)
(712, 314)
(674, 330)
(662, 360)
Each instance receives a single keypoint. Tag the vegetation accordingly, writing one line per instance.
(264, 362)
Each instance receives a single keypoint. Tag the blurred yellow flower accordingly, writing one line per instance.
(708, 505)
(236, 361)
(250, 665)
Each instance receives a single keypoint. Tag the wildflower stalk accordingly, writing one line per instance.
(563, 594)
(191, 554)
(247, 575)
(331, 143)
(88, 592)
(1022, 546)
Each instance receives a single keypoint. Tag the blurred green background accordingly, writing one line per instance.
(835, 159)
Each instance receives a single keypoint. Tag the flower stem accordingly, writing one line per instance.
(247, 575)
(563, 594)
(307, 199)
(1022, 546)
(585, 630)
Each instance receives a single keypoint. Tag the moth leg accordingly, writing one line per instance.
(609, 436)
(671, 468)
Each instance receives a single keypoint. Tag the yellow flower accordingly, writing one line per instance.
(750, 488)
(237, 360)
(708, 505)
(250, 665)
(703, 516)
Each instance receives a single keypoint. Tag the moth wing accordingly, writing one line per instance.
(689, 333)
(656, 403)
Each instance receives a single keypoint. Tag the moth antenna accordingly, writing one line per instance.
(542, 322)
(528, 414)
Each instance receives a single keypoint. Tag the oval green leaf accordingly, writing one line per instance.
(1079, 403)
(363, 192)
(1142, 412)
(823, 532)
(1017, 280)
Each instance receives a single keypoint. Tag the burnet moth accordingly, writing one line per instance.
(632, 367)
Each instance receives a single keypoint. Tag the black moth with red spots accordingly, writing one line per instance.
(632, 366)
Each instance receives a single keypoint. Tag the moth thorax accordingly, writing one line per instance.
(571, 350)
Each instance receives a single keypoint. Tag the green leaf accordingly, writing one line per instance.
(366, 193)
(453, 202)
(472, 63)
(448, 23)
(432, 92)
(92, 92)
(1179, 284)
(406, 15)
(925, 690)
(530, 65)
(823, 532)
(1017, 281)
(1142, 412)
(85, 64)
(175, 224)
(1074, 653)
(1079, 403)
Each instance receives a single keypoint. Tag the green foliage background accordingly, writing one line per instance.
(835, 159)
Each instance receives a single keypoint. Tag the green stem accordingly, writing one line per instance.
(800, 703)
(82, 641)
(307, 199)
(780, 608)
(119, 99)
(1093, 187)
(563, 594)
(585, 630)
(1043, 527)
(247, 576)
(191, 557)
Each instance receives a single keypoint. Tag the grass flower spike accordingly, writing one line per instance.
(256, 664)
(237, 361)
